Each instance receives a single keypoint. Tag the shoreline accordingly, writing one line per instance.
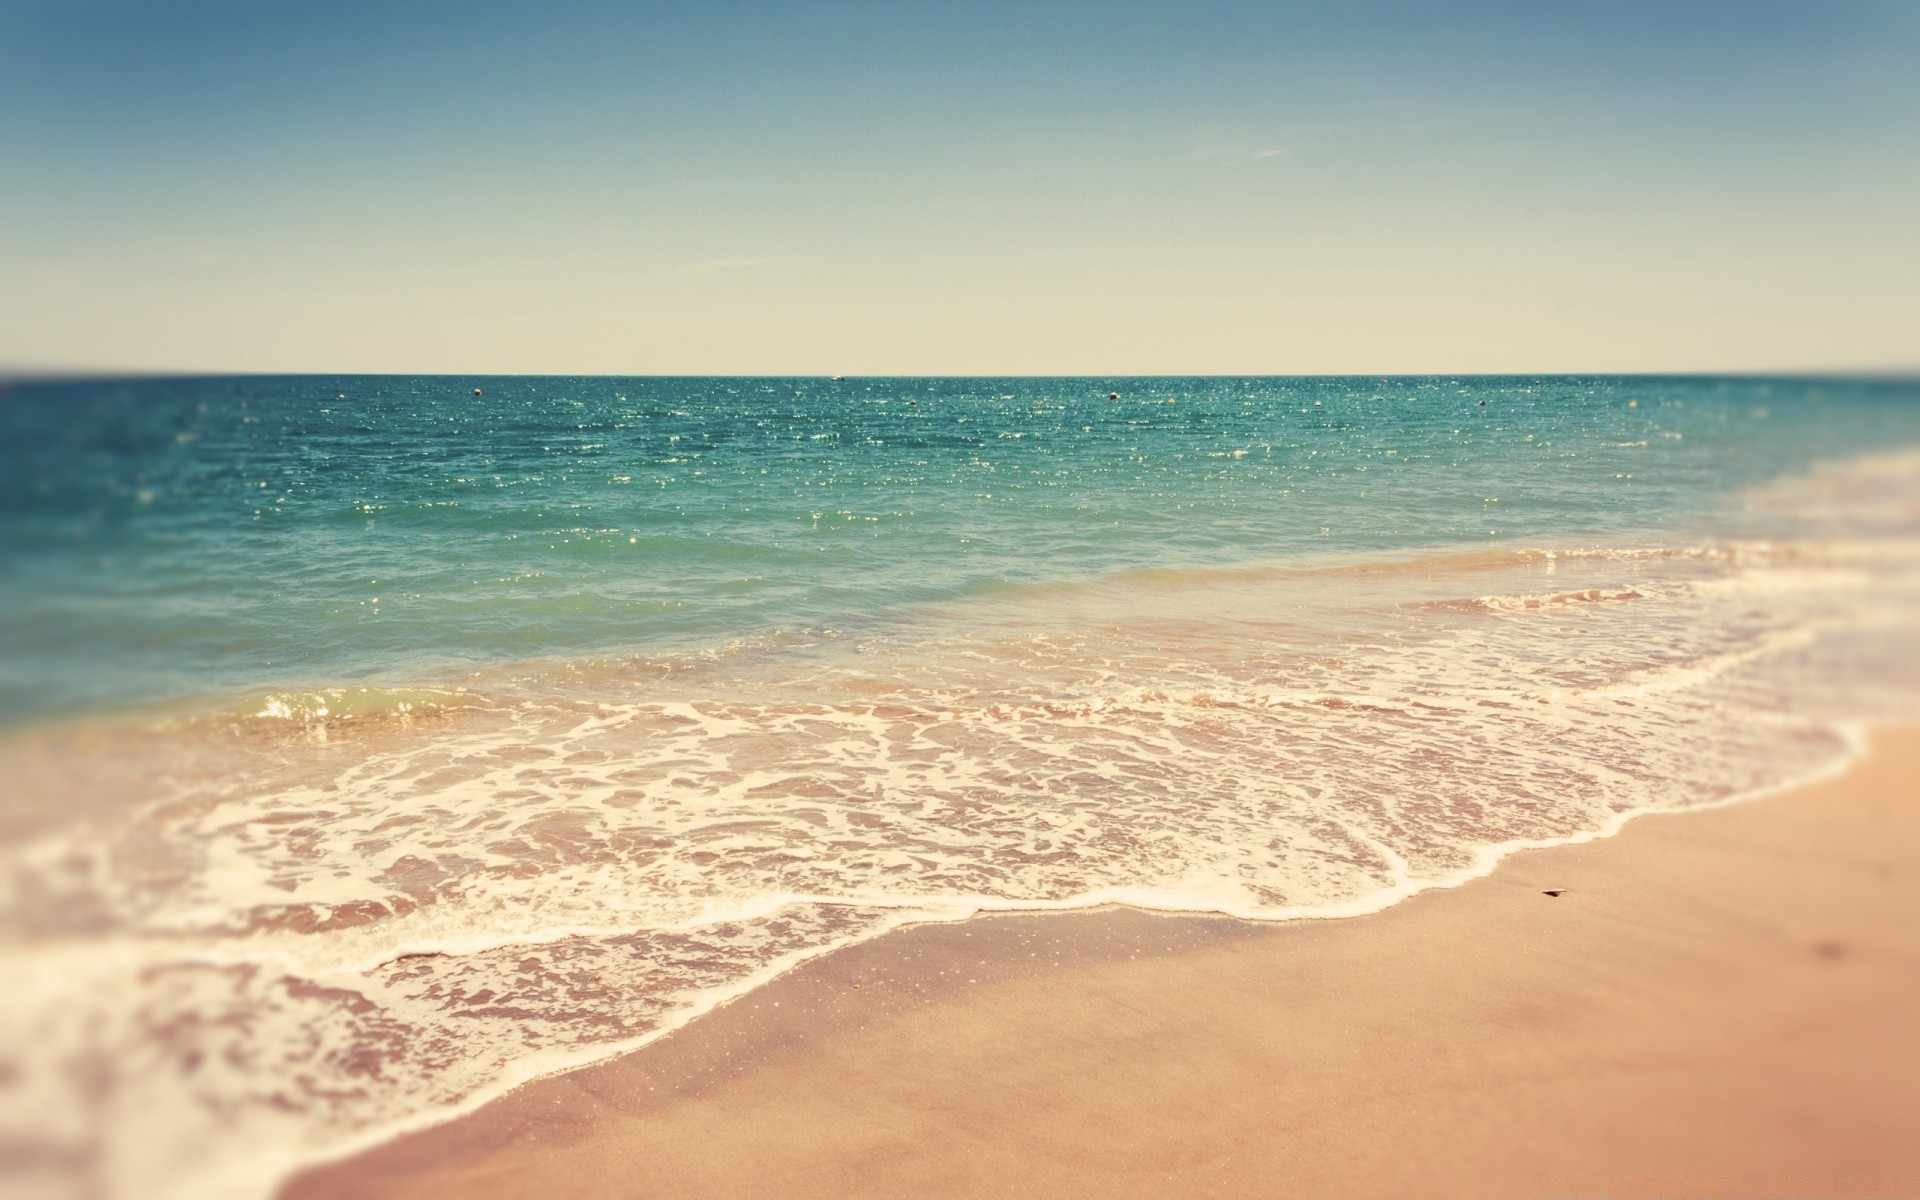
(636, 1123)
(1857, 738)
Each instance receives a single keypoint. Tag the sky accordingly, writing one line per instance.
(583, 187)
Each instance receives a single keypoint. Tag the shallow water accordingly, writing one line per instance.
(376, 745)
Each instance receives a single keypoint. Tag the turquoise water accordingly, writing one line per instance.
(167, 539)
(371, 745)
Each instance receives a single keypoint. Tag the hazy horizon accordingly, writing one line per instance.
(1054, 189)
(55, 375)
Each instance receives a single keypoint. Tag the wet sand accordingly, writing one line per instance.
(1720, 1003)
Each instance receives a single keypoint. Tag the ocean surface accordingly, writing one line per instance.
(374, 743)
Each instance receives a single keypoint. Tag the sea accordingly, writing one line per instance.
(372, 744)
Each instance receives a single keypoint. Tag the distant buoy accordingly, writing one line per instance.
(476, 391)
(1113, 395)
(1633, 404)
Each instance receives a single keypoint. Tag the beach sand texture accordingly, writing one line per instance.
(1719, 1003)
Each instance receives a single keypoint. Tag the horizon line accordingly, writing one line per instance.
(11, 377)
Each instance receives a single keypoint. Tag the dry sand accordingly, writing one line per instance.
(1721, 1003)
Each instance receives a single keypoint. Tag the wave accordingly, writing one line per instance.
(259, 1174)
(352, 706)
(1529, 603)
(559, 860)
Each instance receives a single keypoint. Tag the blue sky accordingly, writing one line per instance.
(959, 188)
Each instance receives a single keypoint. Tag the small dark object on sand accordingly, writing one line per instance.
(1556, 892)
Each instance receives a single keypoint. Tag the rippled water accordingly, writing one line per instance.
(199, 537)
(378, 744)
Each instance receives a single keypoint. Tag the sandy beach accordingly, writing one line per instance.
(1723, 1002)
(811, 599)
